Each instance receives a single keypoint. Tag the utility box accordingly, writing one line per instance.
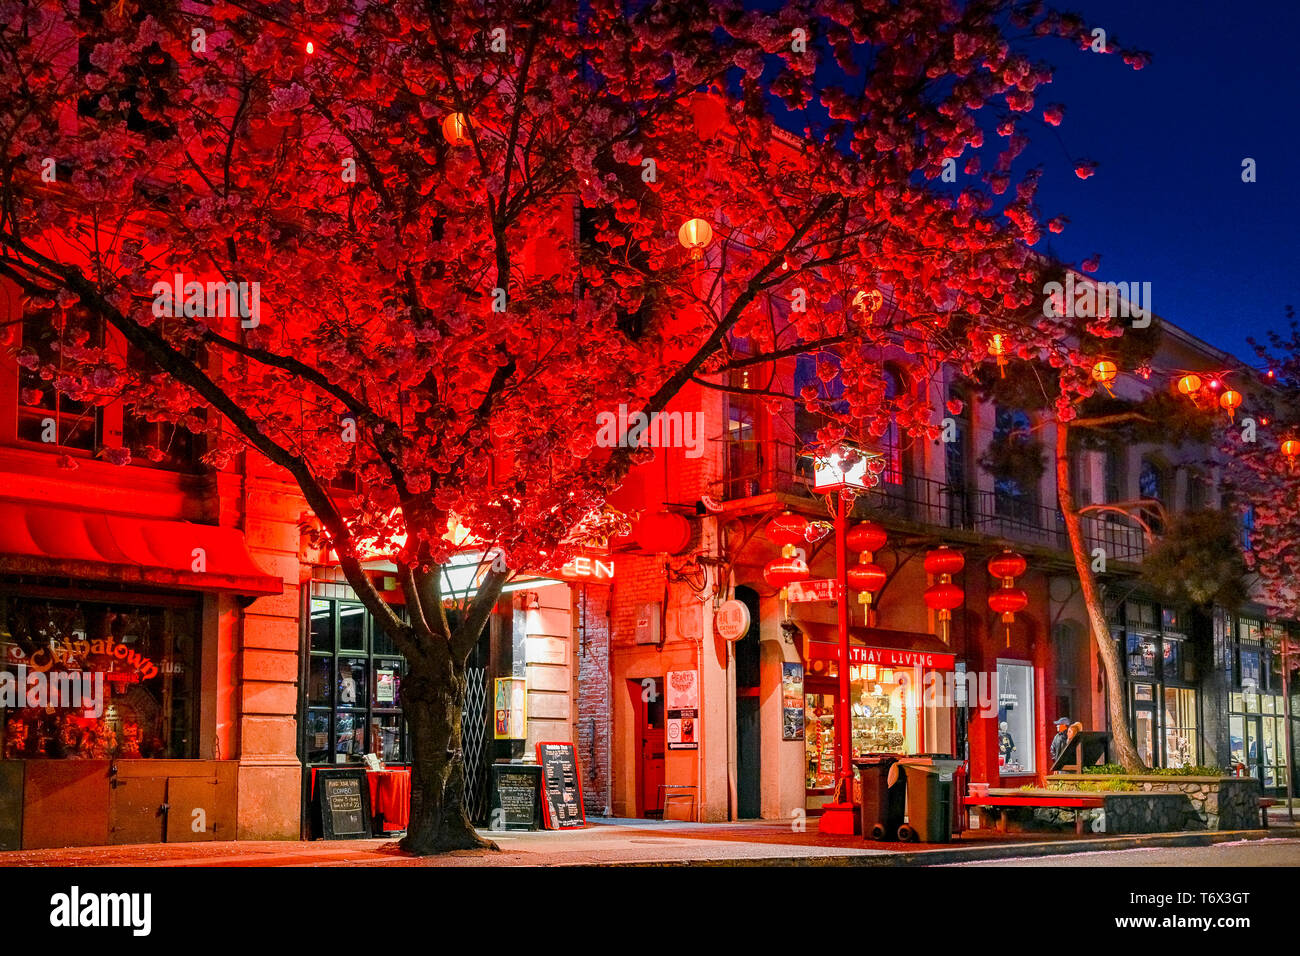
(647, 625)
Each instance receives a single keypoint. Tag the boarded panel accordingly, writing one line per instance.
(547, 650)
(200, 809)
(546, 705)
(65, 803)
(548, 677)
(136, 810)
(11, 804)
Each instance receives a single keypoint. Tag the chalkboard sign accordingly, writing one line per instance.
(516, 797)
(561, 787)
(342, 805)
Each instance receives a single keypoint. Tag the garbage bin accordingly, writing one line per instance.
(882, 805)
(930, 795)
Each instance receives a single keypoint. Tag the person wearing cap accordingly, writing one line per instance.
(1059, 741)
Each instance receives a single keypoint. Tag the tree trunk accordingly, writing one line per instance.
(433, 700)
(1125, 751)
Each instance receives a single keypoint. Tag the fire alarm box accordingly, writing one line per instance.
(647, 624)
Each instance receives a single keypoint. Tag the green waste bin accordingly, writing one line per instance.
(930, 794)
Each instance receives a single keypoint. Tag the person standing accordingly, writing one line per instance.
(1059, 741)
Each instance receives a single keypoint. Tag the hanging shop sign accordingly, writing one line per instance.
(732, 620)
(586, 567)
(510, 709)
(682, 703)
(791, 700)
(561, 787)
(882, 656)
(342, 805)
(823, 589)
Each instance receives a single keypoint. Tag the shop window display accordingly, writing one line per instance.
(1016, 726)
(137, 667)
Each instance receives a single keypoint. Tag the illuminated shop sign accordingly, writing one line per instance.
(882, 656)
(589, 568)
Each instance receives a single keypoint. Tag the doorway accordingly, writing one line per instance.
(648, 710)
(749, 799)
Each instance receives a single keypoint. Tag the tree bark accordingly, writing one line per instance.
(1125, 750)
(433, 700)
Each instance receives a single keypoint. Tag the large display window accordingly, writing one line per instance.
(98, 679)
(1016, 724)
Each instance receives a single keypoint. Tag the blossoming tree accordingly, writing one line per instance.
(456, 233)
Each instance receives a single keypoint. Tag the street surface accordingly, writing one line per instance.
(1270, 852)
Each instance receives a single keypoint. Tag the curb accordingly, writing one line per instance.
(945, 857)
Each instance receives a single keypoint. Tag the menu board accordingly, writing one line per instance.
(515, 791)
(561, 787)
(342, 806)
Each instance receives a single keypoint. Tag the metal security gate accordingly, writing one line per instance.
(474, 727)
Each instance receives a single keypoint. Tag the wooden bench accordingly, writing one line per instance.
(1004, 803)
(1264, 804)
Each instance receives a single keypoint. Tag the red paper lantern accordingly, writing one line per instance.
(944, 560)
(867, 577)
(1008, 564)
(944, 597)
(662, 532)
(1007, 601)
(866, 536)
(784, 571)
(787, 528)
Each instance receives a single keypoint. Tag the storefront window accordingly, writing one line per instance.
(819, 737)
(1015, 717)
(884, 706)
(98, 680)
(354, 685)
(1180, 727)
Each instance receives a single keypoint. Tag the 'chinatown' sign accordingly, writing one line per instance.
(882, 656)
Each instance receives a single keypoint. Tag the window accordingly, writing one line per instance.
(1016, 464)
(1016, 724)
(830, 390)
(354, 688)
(1160, 666)
(1152, 486)
(890, 444)
(1180, 727)
(45, 414)
(1247, 527)
(120, 679)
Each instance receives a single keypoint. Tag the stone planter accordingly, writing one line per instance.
(1212, 803)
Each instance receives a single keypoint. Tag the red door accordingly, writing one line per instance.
(648, 696)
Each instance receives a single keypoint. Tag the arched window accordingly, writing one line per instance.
(1016, 463)
(890, 443)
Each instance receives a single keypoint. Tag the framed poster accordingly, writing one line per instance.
(561, 787)
(792, 701)
(509, 708)
(682, 703)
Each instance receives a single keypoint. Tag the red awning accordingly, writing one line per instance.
(69, 542)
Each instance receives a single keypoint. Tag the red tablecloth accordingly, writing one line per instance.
(390, 795)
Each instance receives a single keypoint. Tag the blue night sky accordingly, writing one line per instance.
(1167, 204)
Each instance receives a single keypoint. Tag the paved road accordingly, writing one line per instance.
(1244, 853)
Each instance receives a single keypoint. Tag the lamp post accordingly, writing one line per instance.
(843, 471)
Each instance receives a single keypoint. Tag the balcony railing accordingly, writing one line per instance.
(935, 504)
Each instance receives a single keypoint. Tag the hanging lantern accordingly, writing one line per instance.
(944, 598)
(662, 532)
(943, 562)
(869, 302)
(1290, 448)
(311, 48)
(455, 127)
(867, 537)
(789, 531)
(867, 577)
(1007, 566)
(1008, 599)
(1189, 384)
(1105, 372)
(780, 572)
(695, 234)
(998, 349)
(1231, 401)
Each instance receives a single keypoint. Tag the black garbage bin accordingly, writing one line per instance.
(882, 805)
(930, 795)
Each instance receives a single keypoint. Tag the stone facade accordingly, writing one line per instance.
(1212, 803)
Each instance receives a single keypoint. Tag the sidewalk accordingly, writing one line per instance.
(613, 842)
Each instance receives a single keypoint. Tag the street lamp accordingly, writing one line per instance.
(844, 471)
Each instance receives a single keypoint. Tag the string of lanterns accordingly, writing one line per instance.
(1008, 599)
(789, 531)
(943, 596)
(866, 577)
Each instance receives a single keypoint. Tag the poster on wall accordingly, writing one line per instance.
(682, 703)
(792, 701)
(509, 709)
